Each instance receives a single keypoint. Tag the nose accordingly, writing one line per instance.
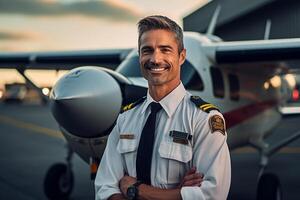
(156, 57)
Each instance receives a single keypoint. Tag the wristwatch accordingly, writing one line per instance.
(133, 191)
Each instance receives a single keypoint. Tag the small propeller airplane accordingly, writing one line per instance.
(248, 80)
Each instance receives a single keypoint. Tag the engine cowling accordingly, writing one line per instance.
(86, 101)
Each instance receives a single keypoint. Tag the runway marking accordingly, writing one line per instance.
(30, 126)
(251, 150)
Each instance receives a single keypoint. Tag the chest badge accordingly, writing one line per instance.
(127, 136)
(180, 137)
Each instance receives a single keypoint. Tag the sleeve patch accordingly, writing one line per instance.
(217, 124)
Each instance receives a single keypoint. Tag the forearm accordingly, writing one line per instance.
(147, 192)
(117, 197)
(110, 169)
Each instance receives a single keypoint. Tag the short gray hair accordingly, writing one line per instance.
(155, 22)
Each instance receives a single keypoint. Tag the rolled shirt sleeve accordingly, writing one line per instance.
(111, 168)
(211, 157)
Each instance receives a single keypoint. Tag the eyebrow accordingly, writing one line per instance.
(165, 46)
(146, 47)
(160, 46)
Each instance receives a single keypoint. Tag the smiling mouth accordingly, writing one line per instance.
(160, 69)
(156, 68)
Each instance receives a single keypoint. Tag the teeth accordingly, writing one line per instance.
(157, 69)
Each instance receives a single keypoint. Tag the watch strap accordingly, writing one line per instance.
(135, 186)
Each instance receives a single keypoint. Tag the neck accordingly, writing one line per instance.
(158, 92)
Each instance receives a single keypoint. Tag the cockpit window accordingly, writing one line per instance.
(130, 67)
(189, 76)
(234, 86)
(218, 82)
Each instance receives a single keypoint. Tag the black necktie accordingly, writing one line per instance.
(145, 149)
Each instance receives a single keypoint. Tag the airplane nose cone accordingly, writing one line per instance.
(86, 101)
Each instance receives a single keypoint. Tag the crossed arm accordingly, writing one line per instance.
(213, 159)
(191, 178)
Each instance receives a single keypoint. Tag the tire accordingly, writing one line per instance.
(56, 184)
(268, 188)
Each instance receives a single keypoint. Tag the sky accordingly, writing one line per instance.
(34, 25)
(51, 25)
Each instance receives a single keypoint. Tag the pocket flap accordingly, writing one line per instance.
(175, 151)
(126, 145)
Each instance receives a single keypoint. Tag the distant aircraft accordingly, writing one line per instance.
(245, 79)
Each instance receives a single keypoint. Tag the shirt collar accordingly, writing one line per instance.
(170, 102)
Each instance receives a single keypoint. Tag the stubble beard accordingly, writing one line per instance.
(156, 79)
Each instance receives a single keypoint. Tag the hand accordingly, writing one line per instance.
(117, 197)
(192, 178)
(125, 182)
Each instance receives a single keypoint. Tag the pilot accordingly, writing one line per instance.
(169, 144)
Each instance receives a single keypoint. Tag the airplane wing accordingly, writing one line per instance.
(254, 51)
(109, 58)
(220, 52)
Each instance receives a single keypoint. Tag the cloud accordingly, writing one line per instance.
(115, 10)
(5, 35)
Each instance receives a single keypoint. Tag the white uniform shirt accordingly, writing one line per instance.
(207, 150)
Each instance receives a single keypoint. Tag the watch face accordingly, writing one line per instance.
(131, 192)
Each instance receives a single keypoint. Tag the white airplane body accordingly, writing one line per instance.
(243, 79)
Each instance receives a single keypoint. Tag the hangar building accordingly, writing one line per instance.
(246, 19)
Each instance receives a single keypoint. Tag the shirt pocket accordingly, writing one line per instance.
(127, 148)
(175, 159)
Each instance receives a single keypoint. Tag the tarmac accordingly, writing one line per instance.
(31, 143)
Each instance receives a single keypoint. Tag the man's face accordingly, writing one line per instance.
(159, 58)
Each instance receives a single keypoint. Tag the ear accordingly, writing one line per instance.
(182, 56)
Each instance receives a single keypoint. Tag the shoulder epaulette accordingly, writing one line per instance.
(132, 105)
(206, 107)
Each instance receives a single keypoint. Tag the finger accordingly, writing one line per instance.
(193, 182)
(190, 184)
(192, 176)
(196, 185)
(190, 181)
(201, 175)
(191, 171)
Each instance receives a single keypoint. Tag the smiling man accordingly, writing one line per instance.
(165, 146)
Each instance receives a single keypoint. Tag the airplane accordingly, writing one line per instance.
(248, 81)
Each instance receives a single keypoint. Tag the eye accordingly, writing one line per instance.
(146, 51)
(166, 50)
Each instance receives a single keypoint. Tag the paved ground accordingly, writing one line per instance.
(285, 164)
(30, 143)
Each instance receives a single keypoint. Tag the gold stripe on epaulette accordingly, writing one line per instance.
(208, 107)
(205, 105)
(129, 106)
(132, 105)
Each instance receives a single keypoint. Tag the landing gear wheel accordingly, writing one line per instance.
(268, 187)
(59, 182)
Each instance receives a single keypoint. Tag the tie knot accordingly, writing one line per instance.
(155, 107)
